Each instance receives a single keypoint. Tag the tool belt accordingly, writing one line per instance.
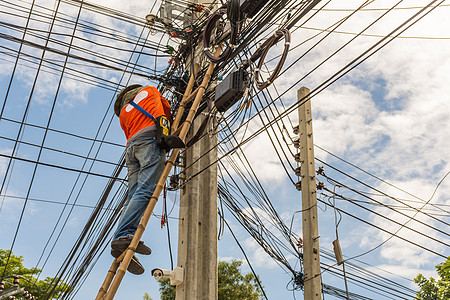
(163, 139)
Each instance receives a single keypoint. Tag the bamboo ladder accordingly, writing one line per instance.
(107, 290)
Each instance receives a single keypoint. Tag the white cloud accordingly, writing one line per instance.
(260, 154)
(73, 222)
(259, 257)
(344, 119)
(4, 161)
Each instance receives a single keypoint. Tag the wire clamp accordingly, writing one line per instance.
(320, 185)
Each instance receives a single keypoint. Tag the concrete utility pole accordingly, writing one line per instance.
(197, 237)
(311, 259)
(197, 233)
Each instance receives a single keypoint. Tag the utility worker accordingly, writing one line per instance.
(141, 111)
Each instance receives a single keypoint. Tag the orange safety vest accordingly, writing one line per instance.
(149, 98)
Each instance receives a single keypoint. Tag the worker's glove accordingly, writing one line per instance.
(163, 139)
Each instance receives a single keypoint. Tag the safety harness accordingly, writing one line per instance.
(163, 139)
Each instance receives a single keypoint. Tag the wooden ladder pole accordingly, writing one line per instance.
(109, 277)
(159, 187)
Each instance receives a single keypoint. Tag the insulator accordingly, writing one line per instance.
(320, 185)
(295, 129)
(298, 185)
(151, 19)
(297, 157)
(297, 143)
(16, 280)
(320, 171)
(298, 171)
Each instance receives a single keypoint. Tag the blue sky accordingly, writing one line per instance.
(389, 116)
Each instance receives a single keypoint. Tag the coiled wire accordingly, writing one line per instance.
(262, 52)
(233, 14)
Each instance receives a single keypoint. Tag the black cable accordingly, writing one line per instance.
(74, 56)
(92, 218)
(336, 224)
(337, 75)
(246, 258)
(15, 146)
(107, 162)
(390, 219)
(355, 62)
(390, 197)
(166, 220)
(16, 63)
(94, 140)
(107, 112)
(48, 201)
(404, 225)
(378, 178)
(384, 230)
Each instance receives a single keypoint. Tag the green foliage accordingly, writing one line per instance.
(231, 284)
(167, 290)
(147, 297)
(432, 289)
(36, 287)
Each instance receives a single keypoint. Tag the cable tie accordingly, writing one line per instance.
(256, 70)
(287, 43)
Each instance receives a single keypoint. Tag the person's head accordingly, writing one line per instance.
(125, 96)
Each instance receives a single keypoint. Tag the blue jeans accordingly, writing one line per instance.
(145, 162)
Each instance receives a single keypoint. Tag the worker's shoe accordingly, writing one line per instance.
(135, 267)
(123, 243)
